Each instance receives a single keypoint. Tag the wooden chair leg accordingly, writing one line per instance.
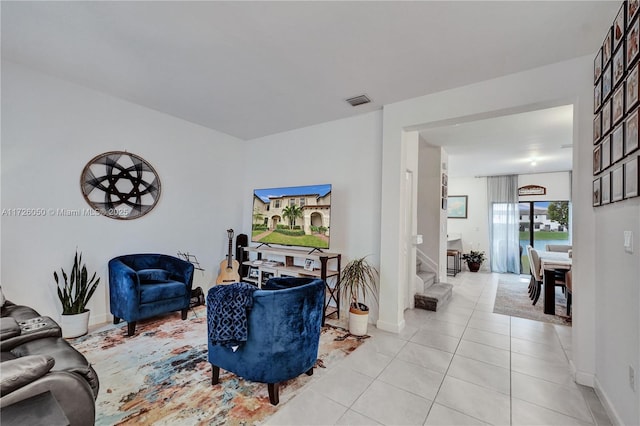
(215, 374)
(116, 320)
(131, 328)
(274, 398)
(568, 304)
(184, 313)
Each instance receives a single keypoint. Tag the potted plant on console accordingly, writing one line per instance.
(474, 260)
(356, 280)
(74, 295)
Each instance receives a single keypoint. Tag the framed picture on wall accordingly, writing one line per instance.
(633, 42)
(632, 10)
(605, 153)
(596, 160)
(631, 178)
(617, 108)
(631, 132)
(597, 128)
(632, 88)
(605, 189)
(618, 66)
(617, 144)
(606, 117)
(597, 66)
(619, 27)
(607, 45)
(457, 206)
(596, 192)
(617, 177)
(606, 82)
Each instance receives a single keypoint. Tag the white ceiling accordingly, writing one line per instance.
(252, 69)
(531, 142)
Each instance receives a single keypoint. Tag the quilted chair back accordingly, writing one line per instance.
(283, 335)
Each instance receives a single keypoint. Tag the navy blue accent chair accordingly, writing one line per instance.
(283, 335)
(145, 285)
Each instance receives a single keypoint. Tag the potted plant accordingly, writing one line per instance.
(474, 259)
(356, 280)
(74, 295)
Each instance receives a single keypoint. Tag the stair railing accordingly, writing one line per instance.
(428, 263)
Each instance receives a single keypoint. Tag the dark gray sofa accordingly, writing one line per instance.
(36, 362)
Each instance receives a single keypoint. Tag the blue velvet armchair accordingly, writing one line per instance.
(145, 285)
(283, 334)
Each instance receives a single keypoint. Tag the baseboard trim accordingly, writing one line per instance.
(99, 319)
(391, 327)
(606, 403)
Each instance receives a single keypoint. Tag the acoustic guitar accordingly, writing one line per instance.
(229, 267)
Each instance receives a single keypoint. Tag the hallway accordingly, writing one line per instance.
(463, 365)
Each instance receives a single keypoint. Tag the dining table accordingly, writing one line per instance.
(552, 262)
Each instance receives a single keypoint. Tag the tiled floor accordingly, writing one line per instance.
(462, 365)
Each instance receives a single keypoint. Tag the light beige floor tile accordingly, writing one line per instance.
(481, 373)
(553, 371)
(410, 377)
(490, 326)
(525, 413)
(314, 408)
(384, 342)
(546, 336)
(443, 327)
(452, 317)
(484, 353)
(537, 350)
(389, 405)
(351, 418)
(496, 340)
(367, 361)
(563, 399)
(475, 401)
(491, 317)
(342, 385)
(445, 416)
(430, 358)
(436, 340)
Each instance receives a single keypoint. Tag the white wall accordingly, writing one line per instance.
(429, 204)
(558, 186)
(474, 230)
(345, 153)
(50, 130)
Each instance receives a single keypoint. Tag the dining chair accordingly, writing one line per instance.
(535, 285)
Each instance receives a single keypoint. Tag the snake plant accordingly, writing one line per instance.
(76, 291)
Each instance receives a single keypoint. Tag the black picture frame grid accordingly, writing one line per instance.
(616, 105)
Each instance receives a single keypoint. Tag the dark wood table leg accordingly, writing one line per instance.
(549, 291)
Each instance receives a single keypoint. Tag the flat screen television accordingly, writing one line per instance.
(292, 216)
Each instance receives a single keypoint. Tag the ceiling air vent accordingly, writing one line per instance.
(359, 100)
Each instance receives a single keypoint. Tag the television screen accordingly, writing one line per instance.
(292, 216)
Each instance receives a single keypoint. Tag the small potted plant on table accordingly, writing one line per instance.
(474, 260)
(357, 279)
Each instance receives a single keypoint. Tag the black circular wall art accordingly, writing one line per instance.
(120, 185)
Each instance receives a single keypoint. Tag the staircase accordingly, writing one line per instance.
(434, 294)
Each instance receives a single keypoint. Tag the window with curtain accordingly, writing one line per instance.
(504, 236)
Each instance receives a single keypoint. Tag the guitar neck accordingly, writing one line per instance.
(229, 258)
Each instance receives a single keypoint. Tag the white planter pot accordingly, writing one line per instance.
(358, 321)
(75, 325)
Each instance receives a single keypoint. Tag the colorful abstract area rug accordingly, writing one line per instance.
(512, 298)
(161, 375)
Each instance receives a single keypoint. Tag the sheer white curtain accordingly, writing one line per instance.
(502, 195)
